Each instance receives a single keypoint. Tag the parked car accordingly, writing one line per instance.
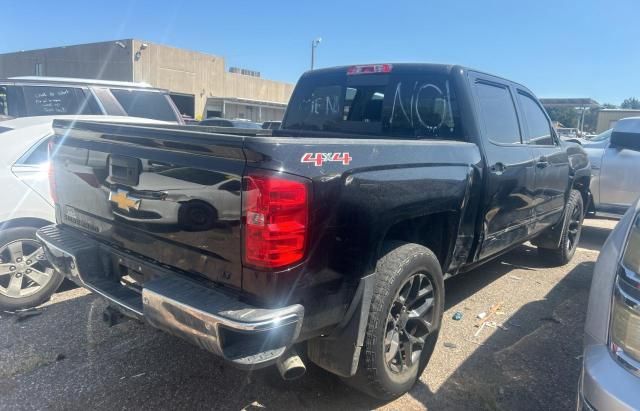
(223, 122)
(610, 378)
(49, 96)
(383, 181)
(188, 198)
(567, 133)
(271, 125)
(615, 164)
(26, 278)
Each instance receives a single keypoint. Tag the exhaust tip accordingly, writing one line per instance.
(290, 365)
(294, 373)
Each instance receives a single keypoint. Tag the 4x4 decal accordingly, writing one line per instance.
(318, 159)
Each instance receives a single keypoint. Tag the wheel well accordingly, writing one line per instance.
(434, 231)
(582, 185)
(24, 222)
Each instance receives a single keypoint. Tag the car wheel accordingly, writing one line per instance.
(26, 277)
(571, 231)
(404, 321)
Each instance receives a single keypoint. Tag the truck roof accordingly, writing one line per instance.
(82, 81)
(413, 68)
(397, 67)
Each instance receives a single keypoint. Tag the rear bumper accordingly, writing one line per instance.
(210, 318)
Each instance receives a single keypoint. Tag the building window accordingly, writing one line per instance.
(39, 69)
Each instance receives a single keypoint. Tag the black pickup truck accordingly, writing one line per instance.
(333, 235)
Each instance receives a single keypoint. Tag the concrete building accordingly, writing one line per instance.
(607, 118)
(199, 83)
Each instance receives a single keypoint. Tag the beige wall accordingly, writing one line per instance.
(256, 88)
(202, 75)
(178, 70)
(104, 61)
(608, 118)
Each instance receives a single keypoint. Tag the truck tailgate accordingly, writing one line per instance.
(170, 195)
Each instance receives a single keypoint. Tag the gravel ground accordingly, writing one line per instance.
(67, 358)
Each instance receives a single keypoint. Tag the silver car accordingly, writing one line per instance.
(610, 378)
(615, 166)
(59, 96)
(26, 279)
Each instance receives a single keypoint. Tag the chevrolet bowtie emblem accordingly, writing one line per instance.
(123, 201)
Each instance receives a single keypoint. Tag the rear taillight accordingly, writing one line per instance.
(275, 220)
(51, 174)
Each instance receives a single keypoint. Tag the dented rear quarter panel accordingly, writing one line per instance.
(355, 204)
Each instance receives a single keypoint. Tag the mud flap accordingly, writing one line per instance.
(550, 237)
(339, 352)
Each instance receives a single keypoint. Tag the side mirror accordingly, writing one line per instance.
(624, 140)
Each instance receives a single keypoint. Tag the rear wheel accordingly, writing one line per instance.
(26, 277)
(571, 231)
(404, 321)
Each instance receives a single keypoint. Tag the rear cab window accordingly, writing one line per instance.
(400, 104)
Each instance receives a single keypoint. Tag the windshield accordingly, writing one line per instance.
(419, 106)
(145, 104)
(602, 136)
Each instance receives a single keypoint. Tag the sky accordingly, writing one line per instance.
(557, 48)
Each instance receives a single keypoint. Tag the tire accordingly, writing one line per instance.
(16, 243)
(381, 373)
(571, 230)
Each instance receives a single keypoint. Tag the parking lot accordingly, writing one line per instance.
(67, 358)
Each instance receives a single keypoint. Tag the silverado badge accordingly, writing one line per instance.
(123, 200)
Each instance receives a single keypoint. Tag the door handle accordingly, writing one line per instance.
(498, 168)
(542, 162)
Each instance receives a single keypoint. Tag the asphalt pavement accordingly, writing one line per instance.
(65, 357)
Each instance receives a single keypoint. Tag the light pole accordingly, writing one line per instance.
(314, 44)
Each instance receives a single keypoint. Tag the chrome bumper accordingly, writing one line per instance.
(605, 384)
(210, 318)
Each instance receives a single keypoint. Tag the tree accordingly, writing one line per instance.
(631, 103)
(591, 120)
(567, 116)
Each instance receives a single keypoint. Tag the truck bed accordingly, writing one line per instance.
(174, 195)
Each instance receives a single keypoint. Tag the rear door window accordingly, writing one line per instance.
(390, 105)
(54, 100)
(145, 104)
(538, 129)
(497, 113)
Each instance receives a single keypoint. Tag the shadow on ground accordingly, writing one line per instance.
(536, 367)
(593, 237)
(78, 362)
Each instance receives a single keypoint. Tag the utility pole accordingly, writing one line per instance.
(314, 44)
